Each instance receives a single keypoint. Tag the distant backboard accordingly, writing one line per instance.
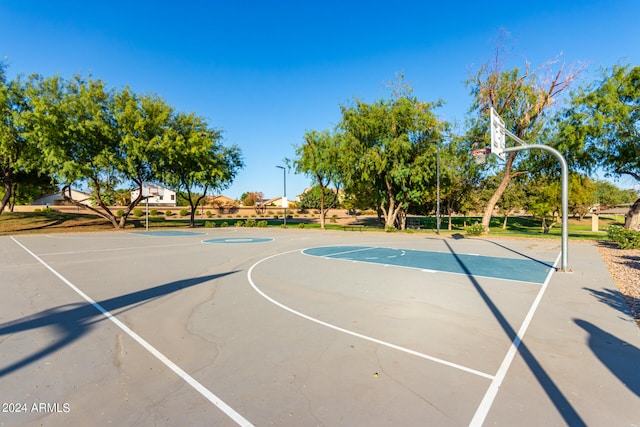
(497, 135)
(151, 190)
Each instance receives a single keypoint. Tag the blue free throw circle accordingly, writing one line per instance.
(236, 240)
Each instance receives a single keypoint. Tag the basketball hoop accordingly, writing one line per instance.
(480, 155)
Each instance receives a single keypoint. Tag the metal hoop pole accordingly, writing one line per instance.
(437, 188)
(565, 192)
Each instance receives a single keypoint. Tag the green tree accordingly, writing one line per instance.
(255, 199)
(248, 198)
(27, 186)
(513, 199)
(582, 195)
(91, 135)
(74, 125)
(460, 177)
(18, 154)
(141, 123)
(319, 158)
(388, 153)
(629, 195)
(607, 195)
(543, 200)
(194, 159)
(523, 99)
(313, 198)
(601, 128)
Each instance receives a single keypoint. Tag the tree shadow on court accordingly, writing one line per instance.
(72, 321)
(614, 299)
(458, 236)
(545, 263)
(615, 354)
(562, 404)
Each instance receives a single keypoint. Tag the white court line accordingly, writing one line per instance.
(367, 248)
(119, 249)
(492, 391)
(206, 393)
(355, 334)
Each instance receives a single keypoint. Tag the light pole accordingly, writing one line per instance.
(284, 198)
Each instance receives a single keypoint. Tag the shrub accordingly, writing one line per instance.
(184, 212)
(250, 223)
(475, 229)
(209, 224)
(301, 225)
(37, 210)
(224, 224)
(626, 239)
(168, 213)
(262, 223)
(138, 212)
(119, 213)
(209, 214)
(239, 223)
(390, 229)
(153, 212)
(334, 219)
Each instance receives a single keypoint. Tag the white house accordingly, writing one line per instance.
(158, 195)
(56, 199)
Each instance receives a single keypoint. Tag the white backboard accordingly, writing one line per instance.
(150, 190)
(497, 135)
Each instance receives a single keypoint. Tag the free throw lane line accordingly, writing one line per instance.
(206, 393)
(492, 391)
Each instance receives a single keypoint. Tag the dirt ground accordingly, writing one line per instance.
(624, 267)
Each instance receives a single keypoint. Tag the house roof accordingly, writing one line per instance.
(220, 199)
(77, 195)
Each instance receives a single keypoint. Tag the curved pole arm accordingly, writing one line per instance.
(565, 191)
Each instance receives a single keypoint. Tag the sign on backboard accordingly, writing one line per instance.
(497, 135)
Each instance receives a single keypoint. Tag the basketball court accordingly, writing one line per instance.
(243, 326)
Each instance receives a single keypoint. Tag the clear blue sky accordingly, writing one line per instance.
(267, 71)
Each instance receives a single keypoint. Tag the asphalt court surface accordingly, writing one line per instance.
(302, 327)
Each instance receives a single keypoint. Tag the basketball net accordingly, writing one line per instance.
(480, 155)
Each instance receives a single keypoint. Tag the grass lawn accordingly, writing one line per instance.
(52, 221)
